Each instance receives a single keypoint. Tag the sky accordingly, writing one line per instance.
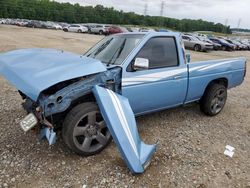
(229, 12)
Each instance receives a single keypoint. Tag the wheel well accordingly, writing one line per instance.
(221, 81)
(57, 119)
(86, 98)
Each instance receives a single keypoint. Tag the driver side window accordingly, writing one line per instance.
(160, 52)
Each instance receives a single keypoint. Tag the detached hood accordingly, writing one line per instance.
(34, 70)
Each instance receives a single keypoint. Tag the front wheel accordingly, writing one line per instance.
(84, 130)
(197, 48)
(214, 100)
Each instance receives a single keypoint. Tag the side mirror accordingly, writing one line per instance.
(188, 57)
(141, 63)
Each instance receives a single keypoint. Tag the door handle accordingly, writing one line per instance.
(177, 77)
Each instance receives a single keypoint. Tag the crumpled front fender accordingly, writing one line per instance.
(120, 120)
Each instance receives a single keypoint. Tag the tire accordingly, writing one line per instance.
(224, 48)
(101, 32)
(84, 130)
(197, 48)
(213, 100)
(79, 31)
(65, 30)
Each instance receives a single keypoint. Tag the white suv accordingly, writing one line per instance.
(76, 28)
(99, 29)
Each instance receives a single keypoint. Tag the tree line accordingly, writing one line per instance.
(65, 12)
(241, 30)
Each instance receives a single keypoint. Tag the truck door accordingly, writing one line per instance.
(163, 84)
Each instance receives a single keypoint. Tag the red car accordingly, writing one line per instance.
(116, 29)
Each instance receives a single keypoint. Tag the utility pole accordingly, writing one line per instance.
(146, 8)
(239, 22)
(225, 28)
(162, 8)
(226, 22)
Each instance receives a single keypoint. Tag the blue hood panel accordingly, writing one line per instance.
(121, 123)
(34, 70)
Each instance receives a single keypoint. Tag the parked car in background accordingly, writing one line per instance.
(146, 30)
(89, 26)
(163, 30)
(194, 43)
(2, 21)
(63, 25)
(35, 24)
(21, 23)
(99, 29)
(135, 29)
(225, 46)
(205, 39)
(53, 25)
(77, 28)
(246, 44)
(238, 45)
(116, 29)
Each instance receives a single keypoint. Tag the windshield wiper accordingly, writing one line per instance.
(112, 60)
(102, 47)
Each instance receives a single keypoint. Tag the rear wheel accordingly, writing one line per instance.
(224, 48)
(101, 32)
(84, 130)
(197, 48)
(214, 99)
(79, 31)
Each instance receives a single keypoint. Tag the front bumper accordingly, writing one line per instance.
(208, 48)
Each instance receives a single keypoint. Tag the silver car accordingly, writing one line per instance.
(194, 43)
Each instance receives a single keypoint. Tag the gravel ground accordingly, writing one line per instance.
(190, 152)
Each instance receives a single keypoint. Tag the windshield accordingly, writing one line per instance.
(223, 40)
(115, 48)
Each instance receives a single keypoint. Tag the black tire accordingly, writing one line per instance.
(84, 130)
(224, 48)
(79, 31)
(101, 32)
(197, 48)
(214, 99)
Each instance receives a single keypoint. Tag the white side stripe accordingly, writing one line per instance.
(123, 120)
(152, 77)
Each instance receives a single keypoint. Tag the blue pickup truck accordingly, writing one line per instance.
(95, 96)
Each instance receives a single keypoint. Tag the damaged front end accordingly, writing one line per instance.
(50, 92)
(54, 102)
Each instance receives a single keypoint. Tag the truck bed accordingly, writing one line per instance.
(203, 72)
